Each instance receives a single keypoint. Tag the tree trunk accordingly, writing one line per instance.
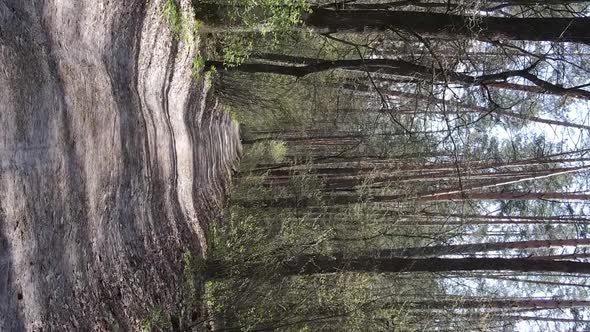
(447, 5)
(466, 219)
(516, 196)
(440, 25)
(463, 107)
(473, 248)
(301, 66)
(484, 303)
(318, 264)
(292, 202)
(541, 319)
(537, 282)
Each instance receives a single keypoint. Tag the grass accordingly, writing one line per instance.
(277, 151)
(171, 12)
(198, 65)
(183, 26)
(157, 320)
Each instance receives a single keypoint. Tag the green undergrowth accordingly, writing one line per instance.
(231, 28)
(247, 235)
(189, 313)
(185, 28)
(182, 23)
(253, 239)
(251, 232)
(235, 28)
(157, 320)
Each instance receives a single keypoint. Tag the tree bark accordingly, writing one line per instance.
(538, 282)
(293, 202)
(465, 107)
(484, 303)
(319, 264)
(301, 66)
(440, 25)
(517, 196)
(446, 5)
(473, 248)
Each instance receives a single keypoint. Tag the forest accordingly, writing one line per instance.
(414, 165)
(295, 165)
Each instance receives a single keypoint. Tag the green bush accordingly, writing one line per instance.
(182, 24)
(241, 23)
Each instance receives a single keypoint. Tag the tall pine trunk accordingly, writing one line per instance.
(441, 25)
(478, 247)
(320, 264)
